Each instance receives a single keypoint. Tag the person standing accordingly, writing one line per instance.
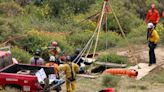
(55, 76)
(153, 39)
(70, 70)
(52, 63)
(152, 16)
(55, 50)
(36, 59)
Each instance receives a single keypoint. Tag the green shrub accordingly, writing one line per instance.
(10, 9)
(138, 35)
(21, 55)
(112, 58)
(79, 39)
(67, 7)
(8, 29)
(106, 40)
(39, 39)
(110, 80)
(160, 30)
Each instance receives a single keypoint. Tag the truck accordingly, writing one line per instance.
(24, 77)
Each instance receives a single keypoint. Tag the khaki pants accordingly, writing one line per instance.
(71, 86)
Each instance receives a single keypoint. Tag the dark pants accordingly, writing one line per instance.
(152, 58)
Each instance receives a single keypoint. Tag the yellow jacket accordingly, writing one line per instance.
(154, 37)
(67, 69)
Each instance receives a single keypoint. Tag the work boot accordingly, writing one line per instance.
(149, 64)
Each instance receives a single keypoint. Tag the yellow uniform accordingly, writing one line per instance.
(154, 37)
(70, 85)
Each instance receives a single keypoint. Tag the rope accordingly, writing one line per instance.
(129, 46)
(106, 29)
(82, 52)
(89, 49)
(99, 26)
(91, 39)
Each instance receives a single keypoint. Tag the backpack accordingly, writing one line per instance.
(72, 78)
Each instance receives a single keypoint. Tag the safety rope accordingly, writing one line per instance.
(99, 28)
(106, 29)
(84, 49)
(129, 46)
(89, 50)
(90, 40)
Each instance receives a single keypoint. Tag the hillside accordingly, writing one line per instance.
(26, 25)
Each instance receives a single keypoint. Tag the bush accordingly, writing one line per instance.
(79, 39)
(10, 9)
(160, 30)
(8, 29)
(67, 7)
(112, 58)
(106, 40)
(110, 81)
(38, 39)
(127, 19)
(21, 55)
(138, 35)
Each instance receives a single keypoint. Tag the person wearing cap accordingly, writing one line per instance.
(153, 39)
(36, 59)
(52, 63)
(152, 16)
(70, 69)
(55, 50)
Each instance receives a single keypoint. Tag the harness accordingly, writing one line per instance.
(72, 78)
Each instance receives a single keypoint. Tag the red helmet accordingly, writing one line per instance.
(63, 58)
(153, 6)
(54, 43)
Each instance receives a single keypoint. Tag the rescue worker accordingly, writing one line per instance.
(153, 38)
(79, 60)
(55, 51)
(70, 70)
(36, 59)
(152, 16)
(52, 63)
(55, 76)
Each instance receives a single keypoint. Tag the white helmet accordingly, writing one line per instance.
(52, 58)
(150, 25)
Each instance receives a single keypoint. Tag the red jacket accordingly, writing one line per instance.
(153, 16)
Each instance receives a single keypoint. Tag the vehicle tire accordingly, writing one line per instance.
(17, 88)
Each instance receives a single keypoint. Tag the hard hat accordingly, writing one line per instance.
(54, 43)
(153, 6)
(52, 58)
(63, 58)
(77, 51)
(37, 52)
(150, 25)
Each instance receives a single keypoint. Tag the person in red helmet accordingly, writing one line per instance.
(54, 49)
(152, 16)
